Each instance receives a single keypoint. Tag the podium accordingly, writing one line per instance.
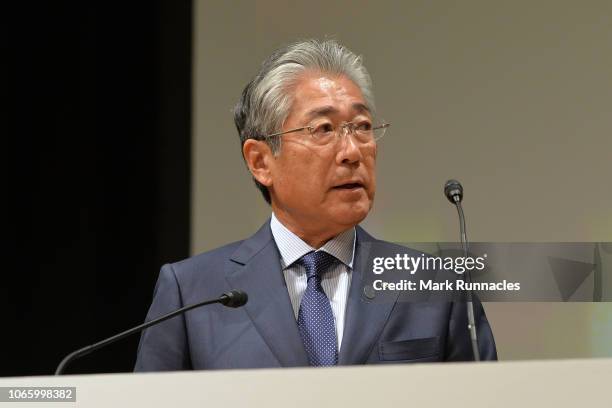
(554, 383)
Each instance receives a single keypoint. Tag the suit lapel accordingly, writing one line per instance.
(256, 269)
(364, 319)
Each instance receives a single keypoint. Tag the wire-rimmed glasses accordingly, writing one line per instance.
(326, 133)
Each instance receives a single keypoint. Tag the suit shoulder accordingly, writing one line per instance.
(205, 261)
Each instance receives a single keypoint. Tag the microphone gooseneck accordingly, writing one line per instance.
(233, 298)
(453, 190)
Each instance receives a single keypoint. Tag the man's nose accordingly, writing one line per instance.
(348, 151)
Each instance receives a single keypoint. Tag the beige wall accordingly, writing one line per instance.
(511, 98)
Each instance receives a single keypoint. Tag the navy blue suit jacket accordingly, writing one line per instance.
(264, 332)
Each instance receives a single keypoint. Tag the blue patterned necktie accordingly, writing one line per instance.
(315, 318)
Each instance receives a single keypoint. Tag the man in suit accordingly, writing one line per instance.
(309, 132)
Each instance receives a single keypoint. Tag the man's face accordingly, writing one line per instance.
(318, 188)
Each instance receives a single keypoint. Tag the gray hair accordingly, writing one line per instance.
(266, 100)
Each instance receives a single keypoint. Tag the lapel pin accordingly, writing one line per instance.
(369, 292)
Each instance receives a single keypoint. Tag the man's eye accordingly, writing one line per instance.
(324, 129)
(364, 127)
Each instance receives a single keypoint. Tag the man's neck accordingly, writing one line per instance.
(314, 237)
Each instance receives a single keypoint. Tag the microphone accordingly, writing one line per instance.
(453, 190)
(233, 298)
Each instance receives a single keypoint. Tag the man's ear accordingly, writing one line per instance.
(258, 157)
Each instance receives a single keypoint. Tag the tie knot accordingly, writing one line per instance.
(316, 263)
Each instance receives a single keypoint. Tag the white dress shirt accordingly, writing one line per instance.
(335, 282)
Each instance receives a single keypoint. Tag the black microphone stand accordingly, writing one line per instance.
(468, 279)
(230, 299)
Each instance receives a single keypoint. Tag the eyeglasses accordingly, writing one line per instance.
(326, 133)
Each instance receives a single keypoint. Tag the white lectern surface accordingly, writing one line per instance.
(558, 383)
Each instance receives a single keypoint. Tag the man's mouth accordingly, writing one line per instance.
(349, 186)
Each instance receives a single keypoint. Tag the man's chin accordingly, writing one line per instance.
(351, 215)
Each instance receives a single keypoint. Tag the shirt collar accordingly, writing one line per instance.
(292, 248)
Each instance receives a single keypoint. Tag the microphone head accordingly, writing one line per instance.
(453, 190)
(234, 298)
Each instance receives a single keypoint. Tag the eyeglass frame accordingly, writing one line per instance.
(383, 125)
